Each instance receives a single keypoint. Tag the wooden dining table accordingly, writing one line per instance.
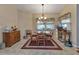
(40, 38)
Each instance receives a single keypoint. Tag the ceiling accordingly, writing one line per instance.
(37, 8)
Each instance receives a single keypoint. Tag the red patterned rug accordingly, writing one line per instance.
(49, 45)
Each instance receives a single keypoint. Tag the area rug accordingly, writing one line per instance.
(49, 45)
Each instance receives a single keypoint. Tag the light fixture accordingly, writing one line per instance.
(43, 16)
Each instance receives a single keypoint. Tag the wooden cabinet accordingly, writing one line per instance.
(10, 38)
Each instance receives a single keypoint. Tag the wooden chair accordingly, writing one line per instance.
(28, 33)
(34, 37)
(41, 39)
(48, 36)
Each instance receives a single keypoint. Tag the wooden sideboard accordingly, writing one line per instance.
(10, 38)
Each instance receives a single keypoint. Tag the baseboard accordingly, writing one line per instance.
(75, 45)
(78, 47)
(2, 45)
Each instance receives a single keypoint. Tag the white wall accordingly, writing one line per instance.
(24, 22)
(8, 17)
(72, 8)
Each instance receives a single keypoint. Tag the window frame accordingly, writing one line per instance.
(45, 23)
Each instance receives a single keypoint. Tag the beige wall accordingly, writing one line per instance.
(49, 15)
(24, 22)
(72, 8)
(8, 17)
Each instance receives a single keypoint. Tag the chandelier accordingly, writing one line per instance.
(42, 16)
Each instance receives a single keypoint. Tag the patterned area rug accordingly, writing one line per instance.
(49, 45)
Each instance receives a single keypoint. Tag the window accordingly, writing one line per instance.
(45, 25)
(65, 21)
(40, 25)
(49, 25)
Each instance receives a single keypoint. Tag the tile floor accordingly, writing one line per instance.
(16, 50)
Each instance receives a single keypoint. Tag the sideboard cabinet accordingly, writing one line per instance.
(10, 38)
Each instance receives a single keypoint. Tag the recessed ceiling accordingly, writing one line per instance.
(37, 8)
